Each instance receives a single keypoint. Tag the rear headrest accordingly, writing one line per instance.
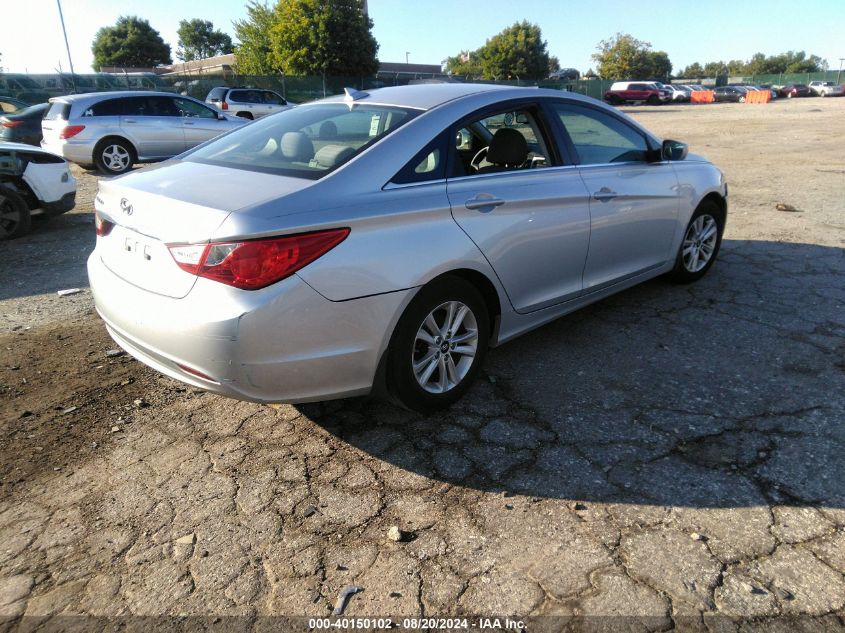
(297, 147)
(332, 155)
(328, 131)
(508, 147)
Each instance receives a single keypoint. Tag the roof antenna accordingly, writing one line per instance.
(354, 95)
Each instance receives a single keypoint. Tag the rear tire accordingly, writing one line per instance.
(245, 115)
(653, 100)
(114, 156)
(439, 345)
(15, 219)
(699, 247)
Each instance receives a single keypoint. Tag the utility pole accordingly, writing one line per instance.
(67, 46)
(407, 53)
(839, 74)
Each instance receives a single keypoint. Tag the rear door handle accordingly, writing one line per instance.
(129, 121)
(483, 202)
(189, 123)
(604, 194)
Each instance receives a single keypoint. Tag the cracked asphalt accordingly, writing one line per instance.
(672, 457)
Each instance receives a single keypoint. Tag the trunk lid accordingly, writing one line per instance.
(174, 203)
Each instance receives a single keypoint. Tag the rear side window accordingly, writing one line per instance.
(600, 138)
(150, 106)
(109, 107)
(58, 111)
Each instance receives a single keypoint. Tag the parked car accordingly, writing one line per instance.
(249, 103)
(794, 90)
(32, 182)
(115, 130)
(390, 237)
(622, 92)
(825, 89)
(8, 105)
(23, 126)
(678, 93)
(735, 94)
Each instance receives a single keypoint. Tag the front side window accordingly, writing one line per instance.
(149, 106)
(600, 138)
(307, 142)
(503, 141)
(273, 99)
(192, 109)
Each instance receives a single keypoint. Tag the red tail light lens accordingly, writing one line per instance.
(7, 123)
(255, 264)
(70, 131)
(225, 106)
(102, 226)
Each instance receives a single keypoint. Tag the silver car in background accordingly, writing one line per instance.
(388, 239)
(249, 103)
(115, 130)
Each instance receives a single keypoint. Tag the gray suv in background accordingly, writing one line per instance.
(115, 130)
(249, 103)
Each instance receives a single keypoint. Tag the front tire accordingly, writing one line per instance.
(15, 219)
(114, 156)
(700, 246)
(439, 345)
(653, 100)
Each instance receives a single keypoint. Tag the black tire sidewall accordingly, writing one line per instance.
(98, 156)
(25, 218)
(679, 273)
(400, 378)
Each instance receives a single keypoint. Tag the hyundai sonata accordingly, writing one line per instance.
(389, 238)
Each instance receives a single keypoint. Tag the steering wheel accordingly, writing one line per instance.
(479, 157)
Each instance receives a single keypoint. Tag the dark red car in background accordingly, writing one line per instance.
(794, 90)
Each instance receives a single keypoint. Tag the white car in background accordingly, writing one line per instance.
(32, 182)
(825, 89)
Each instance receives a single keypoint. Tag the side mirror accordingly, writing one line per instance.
(674, 150)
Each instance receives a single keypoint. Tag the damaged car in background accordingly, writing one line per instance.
(32, 182)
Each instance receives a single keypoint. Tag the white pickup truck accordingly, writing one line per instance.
(825, 89)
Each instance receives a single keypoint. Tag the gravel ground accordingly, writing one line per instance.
(669, 458)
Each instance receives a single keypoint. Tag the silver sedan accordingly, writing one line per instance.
(388, 239)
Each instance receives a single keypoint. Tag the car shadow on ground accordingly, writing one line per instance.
(724, 393)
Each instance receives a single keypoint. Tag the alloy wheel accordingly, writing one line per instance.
(700, 242)
(445, 347)
(116, 158)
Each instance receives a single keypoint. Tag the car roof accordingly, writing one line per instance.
(8, 146)
(428, 96)
(115, 93)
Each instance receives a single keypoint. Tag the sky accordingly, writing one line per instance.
(431, 30)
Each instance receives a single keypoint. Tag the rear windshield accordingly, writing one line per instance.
(58, 111)
(307, 142)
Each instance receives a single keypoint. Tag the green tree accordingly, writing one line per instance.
(694, 70)
(625, 57)
(518, 51)
(130, 43)
(715, 69)
(465, 63)
(329, 37)
(737, 67)
(253, 54)
(198, 39)
(661, 67)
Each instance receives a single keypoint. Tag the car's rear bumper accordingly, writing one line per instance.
(284, 343)
(62, 205)
(80, 152)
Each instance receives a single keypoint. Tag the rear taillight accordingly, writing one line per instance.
(101, 225)
(225, 106)
(70, 131)
(7, 123)
(255, 264)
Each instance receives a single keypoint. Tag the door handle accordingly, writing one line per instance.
(129, 121)
(604, 194)
(483, 202)
(188, 123)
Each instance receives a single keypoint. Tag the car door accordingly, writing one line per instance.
(153, 124)
(199, 122)
(530, 221)
(634, 201)
(271, 102)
